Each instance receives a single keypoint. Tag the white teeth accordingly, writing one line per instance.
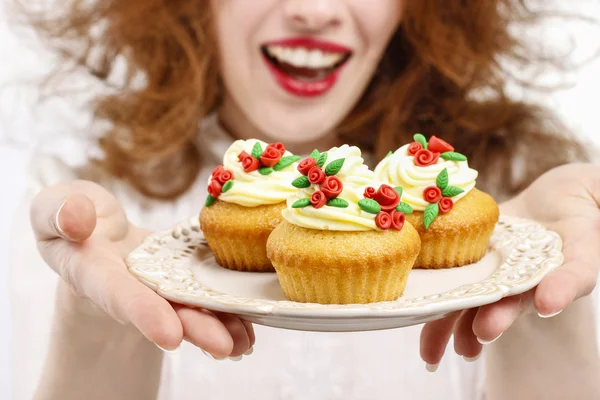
(303, 58)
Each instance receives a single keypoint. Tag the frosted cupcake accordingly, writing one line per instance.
(246, 196)
(344, 238)
(454, 219)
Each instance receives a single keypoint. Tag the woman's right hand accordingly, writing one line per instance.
(83, 234)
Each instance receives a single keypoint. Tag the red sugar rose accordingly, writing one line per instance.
(332, 187)
(277, 146)
(318, 199)
(383, 220)
(446, 204)
(369, 192)
(250, 164)
(398, 219)
(438, 145)
(242, 156)
(305, 165)
(432, 194)
(270, 157)
(424, 158)
(214, 188)
(217, 171)
(316, 175)
(387, 198)
(414, 147)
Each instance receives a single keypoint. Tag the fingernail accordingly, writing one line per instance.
(174, 351)
(549, 315)
(432, 367)
(489, 341)
(236, 358)
(472, 359)
(207, 354)
(57, 223)
(249, 351)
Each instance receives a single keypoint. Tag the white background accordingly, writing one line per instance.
(23, 125)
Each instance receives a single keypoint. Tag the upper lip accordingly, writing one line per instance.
(311, 43)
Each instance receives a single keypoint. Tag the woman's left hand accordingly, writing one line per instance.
(567, 201)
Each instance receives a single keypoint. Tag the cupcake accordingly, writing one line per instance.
(344, 239)
(245, 198)
(453, 218)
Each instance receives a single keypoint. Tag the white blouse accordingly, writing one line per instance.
(286, 365)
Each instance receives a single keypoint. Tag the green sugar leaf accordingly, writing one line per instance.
(370, 206)
(421, 139)
(265, 171)
(452, 191)
(399, 190)
(337, 202)
(404, 208)
(257, 151)
(431, 213)
(227, 186)
(209, 200)
(389, 154)
(301, 182)
(453, 156)
(334, 167)
(315, 155)
(442, 179)
(301, 203)
(322, 159)
(286, 162)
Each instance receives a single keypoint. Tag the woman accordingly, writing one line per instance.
(311, 73)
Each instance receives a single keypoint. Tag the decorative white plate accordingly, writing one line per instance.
(180, 267)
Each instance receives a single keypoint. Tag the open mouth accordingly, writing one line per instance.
(305, 67)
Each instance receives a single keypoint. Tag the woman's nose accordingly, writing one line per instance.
(313, 15)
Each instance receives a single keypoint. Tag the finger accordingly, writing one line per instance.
(250, 331)
(57, 213)
(237, 330)
(557, 290)
(465, 341)
(434, 338)
(494, 319)
(205, 331)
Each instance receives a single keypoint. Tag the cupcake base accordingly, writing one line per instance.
(333, 267)
(459, 237)
(238, 235)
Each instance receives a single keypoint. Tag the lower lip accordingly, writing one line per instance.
(301, 88)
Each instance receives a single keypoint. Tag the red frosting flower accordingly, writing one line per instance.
(369, 192)
(305, 165)
(332, 187)
(242, 156)
(432, 194)
(438, 145)
(387, 197)
(277, 146)
(383, 220)
(316, 175)
(250, 164)
(398, 219)
(224, 177)
(424, 158)
(446, 204)
(217, 171)
(270, 157)
(318, 199)
(414, 147)
(214, 188)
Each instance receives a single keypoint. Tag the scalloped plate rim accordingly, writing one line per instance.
(288, 310)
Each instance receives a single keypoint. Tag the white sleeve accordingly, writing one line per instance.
(32, 285)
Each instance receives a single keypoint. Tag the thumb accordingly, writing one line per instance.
(57, 213)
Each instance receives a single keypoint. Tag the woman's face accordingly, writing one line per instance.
(293, 69)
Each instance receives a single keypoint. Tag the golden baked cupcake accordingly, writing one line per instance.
(245, 198)
(454, 219)
(342, 240)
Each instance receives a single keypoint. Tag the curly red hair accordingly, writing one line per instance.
(441, 74)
